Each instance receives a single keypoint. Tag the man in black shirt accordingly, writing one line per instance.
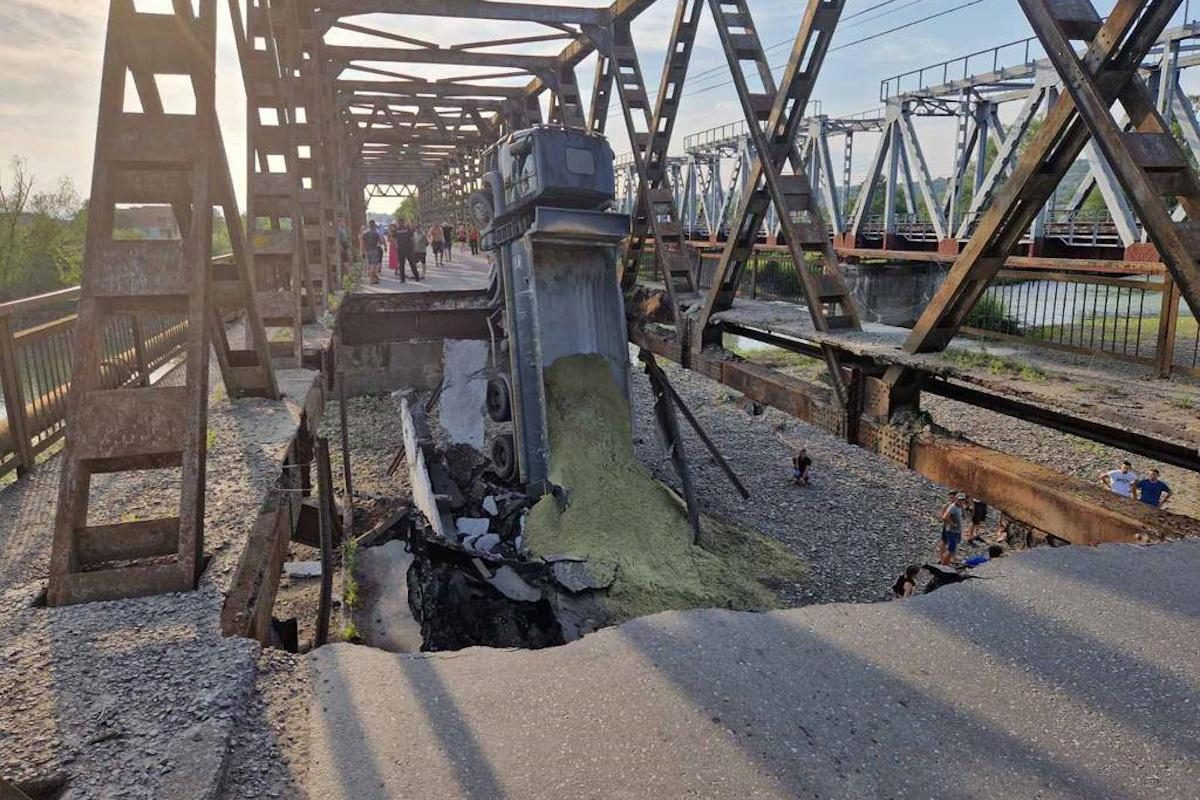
(372, 247)
(404, 251)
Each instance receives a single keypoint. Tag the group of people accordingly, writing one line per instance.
(1151, 490)
(407, 245)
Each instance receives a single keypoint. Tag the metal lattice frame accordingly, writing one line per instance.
(1148, 162)
(152, 157)
(781, 107)
(655, 207)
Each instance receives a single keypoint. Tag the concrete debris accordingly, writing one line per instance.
(472, 526)
(486, 543)
(511, 585)
(581, 576)
(490, 507)
(302, 569)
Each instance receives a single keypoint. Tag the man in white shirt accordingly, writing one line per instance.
(1120, 481)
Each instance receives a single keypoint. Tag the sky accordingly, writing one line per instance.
(51, 53)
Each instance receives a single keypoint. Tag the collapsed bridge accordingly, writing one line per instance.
(237, 376)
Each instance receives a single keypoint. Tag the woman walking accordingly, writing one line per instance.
(419, 249)
(448, 240)
(435, 241)
(393, 249)
(473, 240)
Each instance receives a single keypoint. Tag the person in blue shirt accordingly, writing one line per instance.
(1152, 491)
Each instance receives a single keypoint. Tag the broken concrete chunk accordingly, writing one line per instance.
(443, 484)
(513, 586)
(486, 543)
(580, 576)
(550, 559)
(302, 569)
(472, 526)
(489, 506)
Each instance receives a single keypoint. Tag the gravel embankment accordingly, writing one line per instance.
(858, 525)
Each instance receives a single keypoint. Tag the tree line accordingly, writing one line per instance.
(42, 232)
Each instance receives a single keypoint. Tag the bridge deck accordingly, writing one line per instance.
(1082, 386)
(1067, 673)
(462, 271)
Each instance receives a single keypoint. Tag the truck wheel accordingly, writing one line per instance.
(499, 400)
(504, 457)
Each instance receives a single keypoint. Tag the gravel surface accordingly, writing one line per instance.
(135, 698)
(269, 749)
(858, 525)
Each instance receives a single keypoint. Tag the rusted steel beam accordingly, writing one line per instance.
(1168, 452)
(1066, 507)
(1081, 513)
(342, 55)
(1117, 266)
(469, 9)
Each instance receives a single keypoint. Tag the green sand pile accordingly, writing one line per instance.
(616, 512)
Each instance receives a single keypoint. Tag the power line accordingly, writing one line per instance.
(868, 10)
(880, 34)
(859, 41)
(841, 27)
(905, 25)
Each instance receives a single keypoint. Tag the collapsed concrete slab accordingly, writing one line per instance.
(1063, 674)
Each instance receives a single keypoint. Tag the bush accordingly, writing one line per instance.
(991, 314)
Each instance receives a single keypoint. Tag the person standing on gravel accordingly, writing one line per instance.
(801, 464)
(978, 518)
(1120, 481)
(1153, 491)
(952, 520)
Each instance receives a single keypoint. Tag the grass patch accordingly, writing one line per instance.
(351, 596)
(1182, 401)
(991, 314)
(210, 439)
(997, 365)
(349, 632)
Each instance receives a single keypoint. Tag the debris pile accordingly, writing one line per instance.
(495, 567)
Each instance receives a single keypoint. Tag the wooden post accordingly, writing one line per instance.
(325, 496)
(344, 422)
(14, 398)
(1168, 322)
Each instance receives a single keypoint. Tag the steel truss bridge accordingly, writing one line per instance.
(917, 215)
(344, 101)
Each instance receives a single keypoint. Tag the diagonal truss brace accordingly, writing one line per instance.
(655, 209)
(782, 108)
(1148, 162)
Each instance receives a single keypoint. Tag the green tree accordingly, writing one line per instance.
(407, 210)
(41, 234)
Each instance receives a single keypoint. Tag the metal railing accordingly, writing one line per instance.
(36, 352)
(1019, 53)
